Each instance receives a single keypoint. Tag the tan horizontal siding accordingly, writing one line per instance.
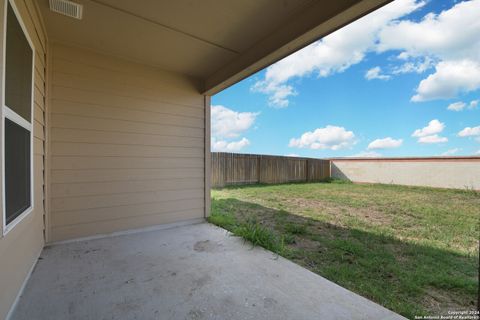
(67, 94)
(38, 114)
(109, 226)
(123, 102)
(127, 145)
(38, 146)
(126, 175)
(40, 66)
(21, 246)
(74, 75)
(32, 22)
(39, 80)
(89, 123)
(121, 199)
(40, 30)
(100, 136)
(38, 98)
(87, 216)
(62, 190)
(114, 150)
(38, 130)
(144, 76)
(104, 112)
(38, 195)
(75, 162)
(38, 38)
(71, 218)
(40, 63)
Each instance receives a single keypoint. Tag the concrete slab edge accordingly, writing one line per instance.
(131, 231)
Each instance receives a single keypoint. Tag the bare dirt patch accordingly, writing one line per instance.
(369, 215)
(440, 302)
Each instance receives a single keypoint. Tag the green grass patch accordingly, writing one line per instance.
(414, 250)
(223, 215)
(294, 228)
(259, 235)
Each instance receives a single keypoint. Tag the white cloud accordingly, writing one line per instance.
(448, 41)
(478, 152)
(433, 127)
(450, 38)
(460, 105)
(376, 73)
(435, 138)
(334, 53)
(449, 35)
(292, 155)
(419, 66)
(367, 154)
(330, 137)
(473, 104)
(469, 132)
(457, 106)
(450, 79)
(385, 143)
(232, 146)
(278, 93)
(429, 134)
(227, 123)
(451, 152)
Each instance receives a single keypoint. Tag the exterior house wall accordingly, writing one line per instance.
(21, 246)
(127, 145)
(441, 173)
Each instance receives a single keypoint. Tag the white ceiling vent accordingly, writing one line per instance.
(67, 8)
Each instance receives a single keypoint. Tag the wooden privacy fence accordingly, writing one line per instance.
(235, 168)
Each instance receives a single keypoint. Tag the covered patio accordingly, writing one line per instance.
(197, 271)
(106, 131)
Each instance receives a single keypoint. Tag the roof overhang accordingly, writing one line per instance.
(219, 42)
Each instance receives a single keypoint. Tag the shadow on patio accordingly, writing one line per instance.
(189, 272)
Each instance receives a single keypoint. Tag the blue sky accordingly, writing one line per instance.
(402, 81)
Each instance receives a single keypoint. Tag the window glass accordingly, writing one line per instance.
(17, 114)
(18, 68)
(17, 170)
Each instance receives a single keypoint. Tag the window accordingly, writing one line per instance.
(17, 121)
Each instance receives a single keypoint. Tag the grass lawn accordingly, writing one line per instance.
(413, 250)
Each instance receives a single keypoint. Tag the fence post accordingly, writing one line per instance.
(258, 169)
(307, 166)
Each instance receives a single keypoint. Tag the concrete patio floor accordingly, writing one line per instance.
(191, 272)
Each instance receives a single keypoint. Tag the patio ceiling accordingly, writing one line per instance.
(217, 41)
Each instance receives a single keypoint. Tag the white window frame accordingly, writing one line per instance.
(7, 113)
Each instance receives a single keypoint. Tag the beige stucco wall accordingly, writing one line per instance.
(21, 246)
(434, 173)
(127, 145)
